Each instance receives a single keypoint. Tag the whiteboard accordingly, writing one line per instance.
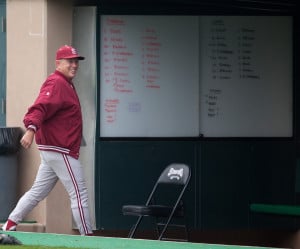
(246, 76)
(185, 76)
(149, 76)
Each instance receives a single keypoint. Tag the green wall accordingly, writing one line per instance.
(226, 177)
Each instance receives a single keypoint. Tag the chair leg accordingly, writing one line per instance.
(164, 230)
(157, 227)
(187, 234)
(134, 227)
(165, 227)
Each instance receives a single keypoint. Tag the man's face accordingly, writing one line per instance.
(68, 67)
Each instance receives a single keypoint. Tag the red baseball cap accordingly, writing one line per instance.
(67, 52)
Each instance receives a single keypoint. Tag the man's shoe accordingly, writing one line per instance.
(9, 226)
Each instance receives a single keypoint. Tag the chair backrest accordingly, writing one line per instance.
(175, 173)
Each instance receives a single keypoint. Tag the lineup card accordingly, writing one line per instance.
(149, 76)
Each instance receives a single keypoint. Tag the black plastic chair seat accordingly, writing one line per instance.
(151, 210)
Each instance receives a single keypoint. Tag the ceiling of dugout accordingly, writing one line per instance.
(195, 6)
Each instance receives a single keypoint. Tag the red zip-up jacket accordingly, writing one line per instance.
(56, 116)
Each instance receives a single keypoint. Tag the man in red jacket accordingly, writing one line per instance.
(55, 120)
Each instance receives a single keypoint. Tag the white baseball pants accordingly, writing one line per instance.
(68, 170)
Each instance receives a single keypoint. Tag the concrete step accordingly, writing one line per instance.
(30, 227)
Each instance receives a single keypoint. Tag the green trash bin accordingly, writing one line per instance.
(9, 147)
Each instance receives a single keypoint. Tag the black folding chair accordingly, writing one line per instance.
(177, 177)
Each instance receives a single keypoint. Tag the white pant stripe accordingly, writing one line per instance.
(77, 193)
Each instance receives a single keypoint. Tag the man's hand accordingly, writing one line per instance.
(27, 139)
